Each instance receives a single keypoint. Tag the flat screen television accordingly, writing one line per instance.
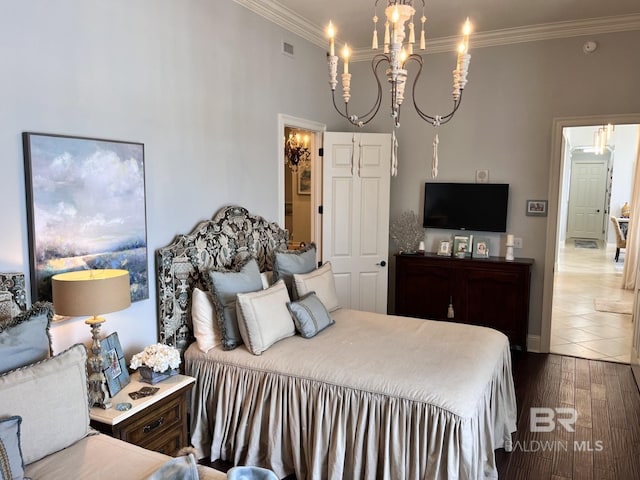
(478, 207)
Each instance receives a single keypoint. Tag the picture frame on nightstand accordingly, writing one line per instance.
(114, 366)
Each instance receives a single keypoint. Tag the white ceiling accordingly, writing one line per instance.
(495, 22)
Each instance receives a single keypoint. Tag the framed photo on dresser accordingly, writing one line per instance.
(462, 245)
(481, 248)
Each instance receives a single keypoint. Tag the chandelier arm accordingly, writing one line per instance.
(437, 119)
(370, 115)
(361, 120)
(343, 115)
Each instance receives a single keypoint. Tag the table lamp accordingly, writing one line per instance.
(92, 292)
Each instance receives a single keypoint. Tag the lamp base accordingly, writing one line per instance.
(98, 393)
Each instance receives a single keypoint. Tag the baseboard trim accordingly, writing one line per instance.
(533, 343)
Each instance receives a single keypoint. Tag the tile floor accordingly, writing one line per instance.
(577, 329)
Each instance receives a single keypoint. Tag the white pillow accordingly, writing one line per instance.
(205, 321)
(263, 317)
(320, 281)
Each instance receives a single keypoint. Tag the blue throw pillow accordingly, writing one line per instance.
(26, 339)
(310, 315)
(294, 261)
(225, 285)
(11, 465)
(250, 473)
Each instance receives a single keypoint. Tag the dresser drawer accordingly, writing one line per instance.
(158, 420)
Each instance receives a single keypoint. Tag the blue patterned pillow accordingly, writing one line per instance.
(225, 285)
(293, 261)
(310, 315)
(11, 464)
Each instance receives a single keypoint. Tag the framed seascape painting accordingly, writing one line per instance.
(85, 209)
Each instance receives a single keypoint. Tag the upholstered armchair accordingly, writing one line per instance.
(621, 240)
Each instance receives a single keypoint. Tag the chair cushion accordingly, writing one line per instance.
(51, 397)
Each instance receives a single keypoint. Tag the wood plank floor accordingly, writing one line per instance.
(606, 442)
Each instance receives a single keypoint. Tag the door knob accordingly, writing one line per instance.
(382, 264)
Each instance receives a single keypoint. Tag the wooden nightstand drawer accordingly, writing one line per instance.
(168, 443)
(154, 423)
(158, 422)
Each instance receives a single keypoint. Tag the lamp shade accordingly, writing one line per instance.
(90, 292)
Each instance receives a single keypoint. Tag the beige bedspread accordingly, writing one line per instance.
(374, 396)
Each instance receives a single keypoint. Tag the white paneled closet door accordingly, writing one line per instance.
(355, 224)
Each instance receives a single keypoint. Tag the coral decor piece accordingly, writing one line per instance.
(406, 231)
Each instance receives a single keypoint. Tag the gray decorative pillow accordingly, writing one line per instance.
(26, 338)
(11, 464)
(225, 285)
(310, 315)
(294, 261)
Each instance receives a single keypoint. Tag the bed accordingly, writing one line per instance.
(372, 396)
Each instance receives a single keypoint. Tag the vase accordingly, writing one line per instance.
(149, 375)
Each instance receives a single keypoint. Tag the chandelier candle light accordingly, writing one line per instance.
(397, 53)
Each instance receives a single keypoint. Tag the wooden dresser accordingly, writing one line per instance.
(157, 422)
(490, 292)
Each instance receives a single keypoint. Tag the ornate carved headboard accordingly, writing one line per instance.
(231, 234)
(14, 284)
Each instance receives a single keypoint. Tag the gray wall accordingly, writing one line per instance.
(199, 82)
(505, 124)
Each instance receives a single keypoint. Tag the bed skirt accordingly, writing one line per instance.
(296, 424)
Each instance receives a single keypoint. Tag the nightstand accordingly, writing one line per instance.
(157, 422)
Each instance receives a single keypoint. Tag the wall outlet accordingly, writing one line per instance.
(517, 242)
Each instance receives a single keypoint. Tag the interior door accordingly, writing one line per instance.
(355, 222)
(587, 199)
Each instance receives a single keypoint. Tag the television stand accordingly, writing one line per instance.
(490, 292)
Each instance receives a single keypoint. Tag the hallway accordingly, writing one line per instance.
(577, 328)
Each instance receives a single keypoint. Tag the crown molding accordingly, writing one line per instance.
(287, 19)
(291, 21)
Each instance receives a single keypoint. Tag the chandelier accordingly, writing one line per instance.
(602, 137)
(296, 151)
(397, 54)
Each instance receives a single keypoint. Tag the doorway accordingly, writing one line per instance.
(566, 265)
(300, 191)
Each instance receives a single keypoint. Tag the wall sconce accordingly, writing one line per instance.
(92, 292)
(296, 151)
